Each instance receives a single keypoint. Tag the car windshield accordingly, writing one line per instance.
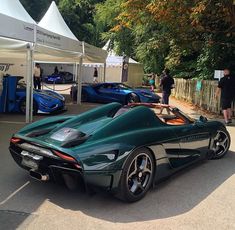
(123, 86)
(170, 116)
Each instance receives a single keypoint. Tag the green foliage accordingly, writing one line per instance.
(191, 37)
(36, 8)
(78, 14)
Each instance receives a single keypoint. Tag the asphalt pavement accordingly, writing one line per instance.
(200, 197)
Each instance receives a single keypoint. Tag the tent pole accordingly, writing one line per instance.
(74, 71)
(104, 76)
(28, 117)
(79, 82)
(31, 92)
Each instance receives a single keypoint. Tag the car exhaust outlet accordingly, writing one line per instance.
(39, 176)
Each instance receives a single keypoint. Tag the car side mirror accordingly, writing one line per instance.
(202, 119)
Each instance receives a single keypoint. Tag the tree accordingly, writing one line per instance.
(78, 14)
(106, 19)
(197, 33)
(36, 8)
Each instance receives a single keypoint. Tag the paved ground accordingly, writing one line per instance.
(201, 197)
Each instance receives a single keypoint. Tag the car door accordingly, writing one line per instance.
(194, 141)
(108, 93)
(166, 151)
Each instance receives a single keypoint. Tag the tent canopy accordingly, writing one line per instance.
(11, 45)
(94, 54)
(54, 22)
(52, 31)
(113, 58)
(15, 22)
(14, 9)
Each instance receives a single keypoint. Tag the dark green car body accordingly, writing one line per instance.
(103, 141)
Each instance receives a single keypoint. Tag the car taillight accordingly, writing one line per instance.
(15, 140)
(64, 156)
(78, 166)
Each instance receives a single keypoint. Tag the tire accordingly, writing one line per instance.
(137, 176)
(22, 106)
(220, 143)
(132, 98)
(84, 97)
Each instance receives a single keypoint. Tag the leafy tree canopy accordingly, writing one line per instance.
(190, 37)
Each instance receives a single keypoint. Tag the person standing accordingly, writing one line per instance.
(56, 71)
(167, 84)
(152, 82)
(95, 75)
(37, 76)
(226, 89)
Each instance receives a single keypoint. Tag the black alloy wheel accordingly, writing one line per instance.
(137, 176)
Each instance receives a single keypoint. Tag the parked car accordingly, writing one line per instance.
(13, 98)
(122, 149)
(59, 78)
(114, 92)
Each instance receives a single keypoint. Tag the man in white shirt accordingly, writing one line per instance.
(37, 76)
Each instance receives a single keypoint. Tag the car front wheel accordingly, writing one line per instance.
(132, 98)
(137, 176)
(221, 143)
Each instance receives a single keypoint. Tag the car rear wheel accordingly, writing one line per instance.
(137, 176)
(221, 143)
(22, 106)
(132, 98)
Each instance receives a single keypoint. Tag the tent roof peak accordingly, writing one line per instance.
(14, 9)
(53, 21)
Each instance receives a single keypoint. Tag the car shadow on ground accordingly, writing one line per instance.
(177, 195)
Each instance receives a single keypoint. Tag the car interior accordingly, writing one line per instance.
(169, 116)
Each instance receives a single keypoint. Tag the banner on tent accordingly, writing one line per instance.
(16, 29)
(4, 67)
(48, 38)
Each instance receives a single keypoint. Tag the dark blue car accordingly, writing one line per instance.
(13, 98)
(114, 92)
(59, 78)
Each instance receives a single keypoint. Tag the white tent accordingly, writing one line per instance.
(17, 35)
(52, 31)
(50, 40)
(30, 42)
(112, 70)
(15, 22)
(114, 66)
(54, 22)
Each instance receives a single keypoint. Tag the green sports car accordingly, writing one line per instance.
(121, 149)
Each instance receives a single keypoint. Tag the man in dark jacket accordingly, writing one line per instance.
(167, 84)
(226, 88)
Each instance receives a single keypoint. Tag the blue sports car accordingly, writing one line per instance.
(13, 98)
(59, 78)
(114, 92)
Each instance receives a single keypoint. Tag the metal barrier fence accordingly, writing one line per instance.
(199, 93)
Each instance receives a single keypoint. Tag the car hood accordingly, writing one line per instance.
(49, 94)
